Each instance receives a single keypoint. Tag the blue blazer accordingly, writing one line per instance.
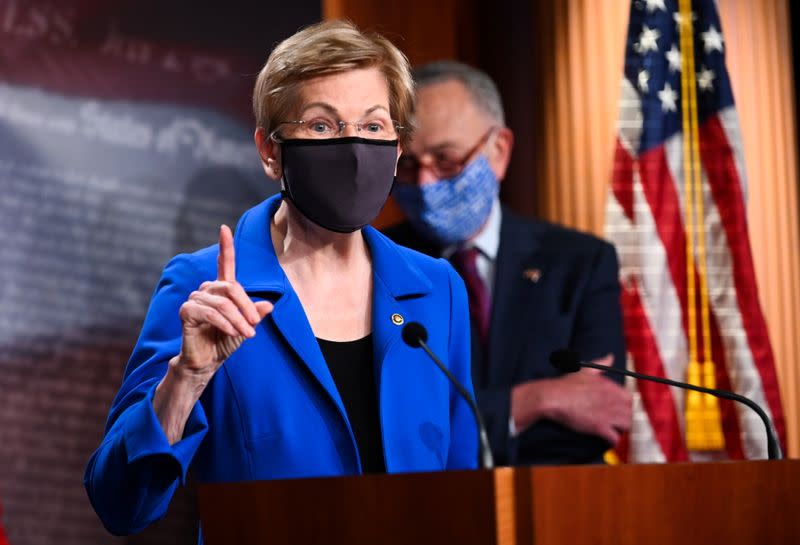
(272, 411)
(554, 288)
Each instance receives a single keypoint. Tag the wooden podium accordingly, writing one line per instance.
(726, 503)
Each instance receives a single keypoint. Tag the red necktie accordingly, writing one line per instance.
(464, 261)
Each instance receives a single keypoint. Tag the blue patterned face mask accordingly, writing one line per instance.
(452, 210)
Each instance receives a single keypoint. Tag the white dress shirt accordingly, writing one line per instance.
(487, 242)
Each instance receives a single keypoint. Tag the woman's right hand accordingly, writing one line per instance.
(216, 318)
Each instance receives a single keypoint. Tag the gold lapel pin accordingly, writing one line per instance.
(397, 319)
(532, 274)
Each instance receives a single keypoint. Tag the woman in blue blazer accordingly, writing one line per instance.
(277, 353)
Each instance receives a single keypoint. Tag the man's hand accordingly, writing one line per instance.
(585, 401)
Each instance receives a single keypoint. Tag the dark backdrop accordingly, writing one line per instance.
(125, 137)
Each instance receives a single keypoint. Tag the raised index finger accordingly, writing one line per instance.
(226, 262)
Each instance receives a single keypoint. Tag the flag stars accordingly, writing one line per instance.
(643, 79)
(705, 79)
(648, 39)
(668, 98)
(653, 5)
(674, 58)
(712, 40)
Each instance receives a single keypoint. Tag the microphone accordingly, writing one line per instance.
(568, 361)
(415, 335)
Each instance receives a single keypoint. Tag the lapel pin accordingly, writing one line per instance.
(532, 274)
(397, 319)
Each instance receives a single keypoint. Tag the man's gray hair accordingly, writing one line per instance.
(479, 85)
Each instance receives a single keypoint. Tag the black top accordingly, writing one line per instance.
(352, 366)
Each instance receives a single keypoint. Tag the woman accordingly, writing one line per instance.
(277, 353)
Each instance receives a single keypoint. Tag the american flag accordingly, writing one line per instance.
(646, 219)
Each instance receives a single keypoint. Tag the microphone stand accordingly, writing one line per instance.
(773, 446)
(487, 460)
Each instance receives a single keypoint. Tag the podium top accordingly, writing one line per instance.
(728, 502)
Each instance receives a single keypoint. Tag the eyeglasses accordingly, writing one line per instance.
(440, 165)
(320, 128)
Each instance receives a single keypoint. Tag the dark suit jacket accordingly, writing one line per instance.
(574, 303)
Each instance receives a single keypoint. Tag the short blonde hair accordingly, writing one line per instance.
(330, 47)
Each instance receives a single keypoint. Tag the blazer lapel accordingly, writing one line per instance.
(290, 320)
(516, 293)
(260, 274)
(394, 278)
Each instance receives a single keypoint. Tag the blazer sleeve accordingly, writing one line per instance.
(598, 325)
(463, 453)
(495, 407)
(131, 477)
(597, 331)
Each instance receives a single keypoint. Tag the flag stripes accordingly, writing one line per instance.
(645, 219)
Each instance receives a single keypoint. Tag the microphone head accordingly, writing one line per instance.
(413, 333)
(565, 360)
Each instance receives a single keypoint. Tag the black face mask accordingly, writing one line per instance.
(340, 184)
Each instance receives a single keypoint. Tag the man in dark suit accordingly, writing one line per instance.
(534, 287)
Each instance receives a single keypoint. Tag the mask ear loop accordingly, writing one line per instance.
(276, 138)
(285, 192)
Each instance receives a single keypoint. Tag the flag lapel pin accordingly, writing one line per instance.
(532, 274)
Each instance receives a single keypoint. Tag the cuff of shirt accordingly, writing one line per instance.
(512, 428)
